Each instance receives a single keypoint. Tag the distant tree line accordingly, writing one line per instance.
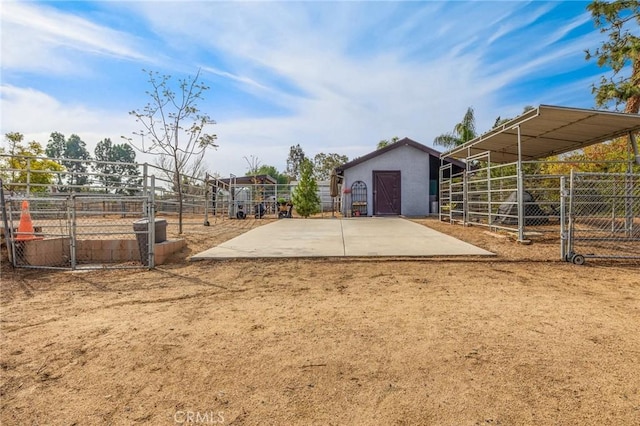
(66, 164)
(322, 164)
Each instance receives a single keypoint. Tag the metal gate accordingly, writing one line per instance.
(359, 199)
(600, 216)
(76, 231)
(452, 194)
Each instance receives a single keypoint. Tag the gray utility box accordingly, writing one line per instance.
(141, 228)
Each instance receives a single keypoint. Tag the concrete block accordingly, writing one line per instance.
(95, 246)
(165, 249)
(47, 252)
(109, 245)
(56, 251)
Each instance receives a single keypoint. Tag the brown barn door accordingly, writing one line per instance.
(386, 193)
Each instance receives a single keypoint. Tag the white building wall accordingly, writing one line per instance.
(414, 179)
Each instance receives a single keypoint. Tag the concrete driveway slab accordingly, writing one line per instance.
(400, 237)
(352, 237)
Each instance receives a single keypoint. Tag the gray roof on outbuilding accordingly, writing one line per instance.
(546, 131)
(396, 145)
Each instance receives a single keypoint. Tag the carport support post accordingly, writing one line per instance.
(439, 187)
(490, 210)
(465, 191)
(636, 150)
(628, 205)
(520, 189)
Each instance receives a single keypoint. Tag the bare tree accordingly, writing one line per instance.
(195, 171)
(174, 127)
(254, 165)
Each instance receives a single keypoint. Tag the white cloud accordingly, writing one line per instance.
(512, 22)
(346, 78)
(40, 38)
(237, 78)
(36, 115)
(341, 101)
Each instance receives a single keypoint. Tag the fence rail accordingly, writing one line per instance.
(487, 195)
(204, 198)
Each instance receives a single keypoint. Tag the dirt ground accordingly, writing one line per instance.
(520, 338)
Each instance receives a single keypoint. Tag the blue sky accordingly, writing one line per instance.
(330, 76)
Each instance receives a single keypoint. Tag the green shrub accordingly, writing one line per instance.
(305, 197)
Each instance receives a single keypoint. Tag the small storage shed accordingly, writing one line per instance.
(399, 179)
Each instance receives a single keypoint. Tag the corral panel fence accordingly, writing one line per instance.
(267, 200)
(601, 216)
(444, 196)
(452, 194)
(74, 231)
(206, 199)
(487, 195)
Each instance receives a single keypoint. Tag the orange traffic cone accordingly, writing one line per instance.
(25, 228)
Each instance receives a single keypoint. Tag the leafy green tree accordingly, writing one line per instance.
(73, 155)
(462, 132)
(608, 157)
(324, 164)
(173, 127)
(386, 142)
(620, 52)
(76, 150)
(55, 149)
(500, 121)
(57, 145)
(117, 168)
(305, 196)
(23, 160)
(281, 178)
(294, 161)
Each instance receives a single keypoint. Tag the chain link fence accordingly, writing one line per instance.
(202, 198)
(601, 216)
(74, 231)
(84, 218)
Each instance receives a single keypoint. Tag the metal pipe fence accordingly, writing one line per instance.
(451, 195)
(267, 200)
(487, 195)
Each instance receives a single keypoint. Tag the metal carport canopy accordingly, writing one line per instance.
(546, 131)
